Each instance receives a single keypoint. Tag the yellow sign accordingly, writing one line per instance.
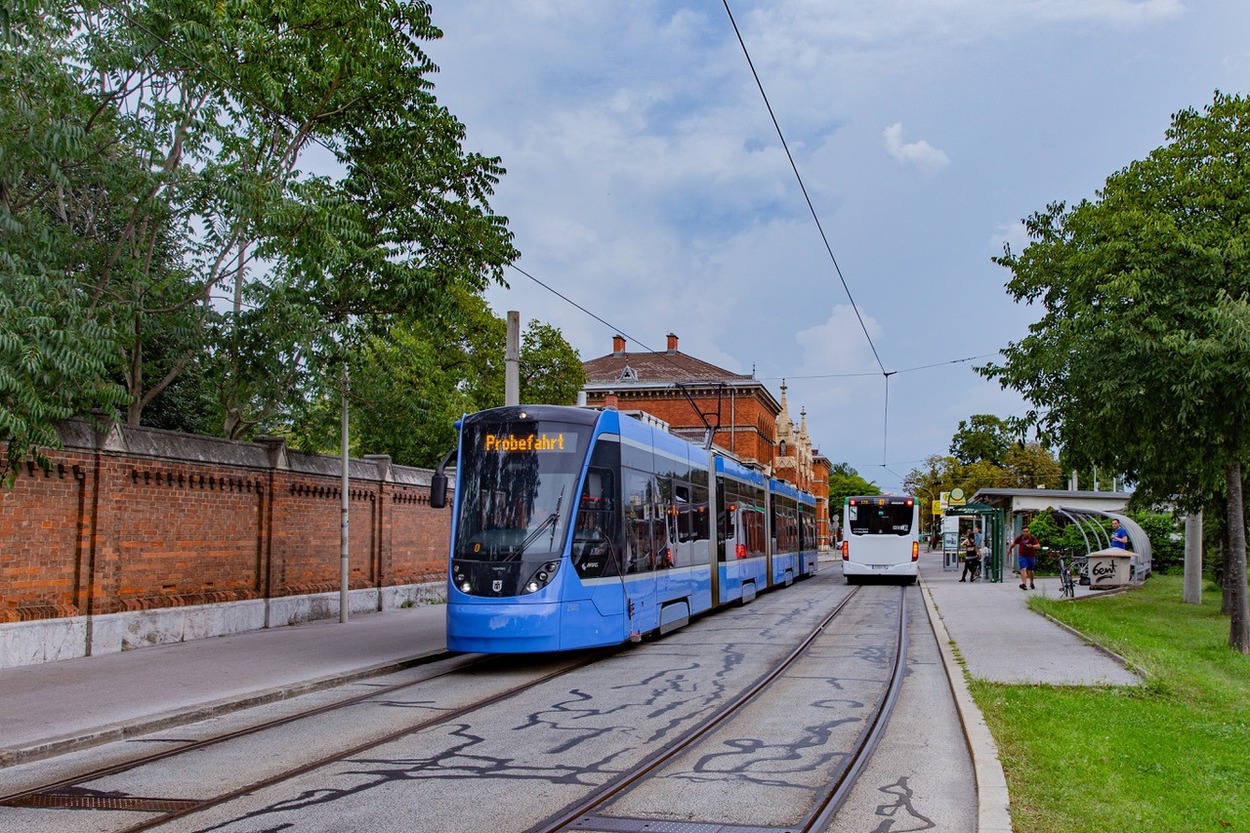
(937, 507)
(957, 497)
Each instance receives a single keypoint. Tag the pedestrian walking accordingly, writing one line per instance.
(1028, 545)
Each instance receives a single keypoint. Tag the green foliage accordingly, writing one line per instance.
(408, 388)
(1011, 465)
(1030, 466)
(551, 370)
(55, 346)
(982, 437)
(1164, 756)
(846, 481)
(1146, 305)
(1140, 363)
(1167, 555)
(154, 165)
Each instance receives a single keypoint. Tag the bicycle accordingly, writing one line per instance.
(1067, 569)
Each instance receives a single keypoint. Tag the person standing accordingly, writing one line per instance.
(1028, 545)
(972, 558)
(1119, 535)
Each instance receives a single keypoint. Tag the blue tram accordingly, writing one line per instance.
(575, 527)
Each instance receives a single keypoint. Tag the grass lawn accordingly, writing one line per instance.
(1171, 756)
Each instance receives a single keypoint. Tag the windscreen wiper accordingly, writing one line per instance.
(549, 521)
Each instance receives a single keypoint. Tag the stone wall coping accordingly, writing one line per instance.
(269, 453)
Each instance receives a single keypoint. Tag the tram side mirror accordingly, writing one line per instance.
(438, 481)
(438, 491)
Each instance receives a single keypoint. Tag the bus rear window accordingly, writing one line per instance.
(871, 518)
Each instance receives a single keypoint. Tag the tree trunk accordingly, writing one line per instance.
(1239, 623)
(1226, 595)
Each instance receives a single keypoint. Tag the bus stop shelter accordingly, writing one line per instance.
(992, 527)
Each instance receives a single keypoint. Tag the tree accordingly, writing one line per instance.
(1030, 466)
(1140, 363)
(844, 481)
(55, 347)
(410, 385)
(981, 437)
(156, 165)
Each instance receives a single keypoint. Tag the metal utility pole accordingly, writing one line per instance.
(512, 360)
(344, 488)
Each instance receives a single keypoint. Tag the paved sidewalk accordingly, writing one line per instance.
(59, 706)
(1002, 640)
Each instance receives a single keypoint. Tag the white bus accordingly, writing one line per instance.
(880, 538)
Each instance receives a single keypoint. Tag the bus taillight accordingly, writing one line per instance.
(846, 550)
(915, 550)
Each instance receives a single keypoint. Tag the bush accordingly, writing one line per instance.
(1166, 554)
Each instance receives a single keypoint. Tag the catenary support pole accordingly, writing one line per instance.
(1193, 559)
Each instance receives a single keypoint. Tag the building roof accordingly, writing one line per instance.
(654, 369)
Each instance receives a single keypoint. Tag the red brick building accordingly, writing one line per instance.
(695, 397)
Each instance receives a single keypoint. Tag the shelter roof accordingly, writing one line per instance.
(1035, 500)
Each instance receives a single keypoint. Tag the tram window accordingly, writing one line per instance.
(699, 494)
(640, 542)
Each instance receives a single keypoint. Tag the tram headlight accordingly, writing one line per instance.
(466, 586)
(541, 577)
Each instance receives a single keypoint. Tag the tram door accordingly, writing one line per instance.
(646, 542)
(731, 544)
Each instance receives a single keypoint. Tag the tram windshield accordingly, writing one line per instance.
(518, 485)
(878, 516)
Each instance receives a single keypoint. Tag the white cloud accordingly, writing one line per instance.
(646, 182)
(920, 154)
(1009, 234)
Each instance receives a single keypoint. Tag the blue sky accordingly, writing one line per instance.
(646, 181)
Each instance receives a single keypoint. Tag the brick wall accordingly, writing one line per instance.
(133, 519)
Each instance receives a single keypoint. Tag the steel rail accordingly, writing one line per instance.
(844, 781)
(191, 746)
(445, 717)
(47, 794)
(583, 814)
(195, 745)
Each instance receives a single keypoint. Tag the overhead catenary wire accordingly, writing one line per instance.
(802, 187)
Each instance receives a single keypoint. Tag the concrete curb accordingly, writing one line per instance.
(993, 802)
(52, 747)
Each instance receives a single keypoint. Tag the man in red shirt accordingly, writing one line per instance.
(1028, 545)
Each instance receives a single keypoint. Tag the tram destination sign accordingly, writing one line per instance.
(528, 443)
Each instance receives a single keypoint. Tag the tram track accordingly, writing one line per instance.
(415, 760)
(69, 793)
(593, 812)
